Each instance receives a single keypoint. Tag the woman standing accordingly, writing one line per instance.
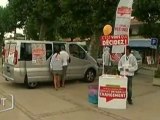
(56, 68)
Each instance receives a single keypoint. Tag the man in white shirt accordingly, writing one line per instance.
(127, 66)
(65, 61)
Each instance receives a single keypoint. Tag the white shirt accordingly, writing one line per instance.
(56, 62)
(129, 63)
(65, 57)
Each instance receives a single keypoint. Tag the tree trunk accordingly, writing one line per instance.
(94, 45)
(15, 34)
(71, 39)
(42, 34)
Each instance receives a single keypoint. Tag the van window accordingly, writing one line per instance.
(58, 46)
(48, 50)
(22, 51)
(77, 51)
(26, 51)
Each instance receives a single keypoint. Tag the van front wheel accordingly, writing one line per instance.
(90, 75)
(30, 85)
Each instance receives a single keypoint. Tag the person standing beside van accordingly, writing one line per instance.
(56, 68)
(65, 61)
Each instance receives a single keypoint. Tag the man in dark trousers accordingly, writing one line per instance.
(65, 61)
(127, 66)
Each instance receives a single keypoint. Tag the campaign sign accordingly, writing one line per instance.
(115, 57)
(124, 10)
(112, 92)
(114, 40)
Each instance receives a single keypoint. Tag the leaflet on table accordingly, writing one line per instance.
(111, 76)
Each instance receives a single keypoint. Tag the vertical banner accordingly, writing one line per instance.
(122, 22)
(38, 53)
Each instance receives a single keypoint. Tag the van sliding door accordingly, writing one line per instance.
(78, 62)
(9, 60)
(37, 61)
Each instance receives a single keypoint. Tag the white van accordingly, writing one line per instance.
(28, 61)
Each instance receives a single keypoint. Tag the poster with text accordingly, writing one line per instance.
(38, 53)
(112, 92)
(11, 54)
(122, 22)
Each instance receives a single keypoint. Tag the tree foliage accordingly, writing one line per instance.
(149, 15)
(89, 18)
(52, 19)
(44, 12)
(148, 11)
(6, 21)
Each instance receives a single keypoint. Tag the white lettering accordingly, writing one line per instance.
(113, 42)
(2, 101)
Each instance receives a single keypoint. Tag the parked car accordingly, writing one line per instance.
(27, 61)
(138, 57)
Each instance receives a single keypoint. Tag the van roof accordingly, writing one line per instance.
(35, 41)
(25, 41)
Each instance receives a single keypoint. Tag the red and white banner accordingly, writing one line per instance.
(38, 53)
(114, 40)
(112, 92)
(122, 22)
(115, 57)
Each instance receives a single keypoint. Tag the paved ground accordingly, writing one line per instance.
(71, 102)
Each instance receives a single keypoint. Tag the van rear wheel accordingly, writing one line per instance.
(30, 85)
(90, 75)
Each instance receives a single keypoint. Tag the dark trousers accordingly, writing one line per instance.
(64, 73)
(129, 88)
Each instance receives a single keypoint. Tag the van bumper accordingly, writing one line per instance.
(16, 76)
(8, 78)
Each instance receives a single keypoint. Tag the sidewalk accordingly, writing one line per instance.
(146, 99)
(149, 67)
(68, 104)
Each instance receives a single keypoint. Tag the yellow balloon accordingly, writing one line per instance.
(107, 29)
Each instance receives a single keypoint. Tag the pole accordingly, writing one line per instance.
(125, 61)
(103, 60)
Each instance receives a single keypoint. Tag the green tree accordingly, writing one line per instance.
(31, 29)
(19, 11)
(5, 21)
(88, 19)
(148, 11)
(1, 23)
(44, 12)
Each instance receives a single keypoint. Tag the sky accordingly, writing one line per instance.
(3, 2)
